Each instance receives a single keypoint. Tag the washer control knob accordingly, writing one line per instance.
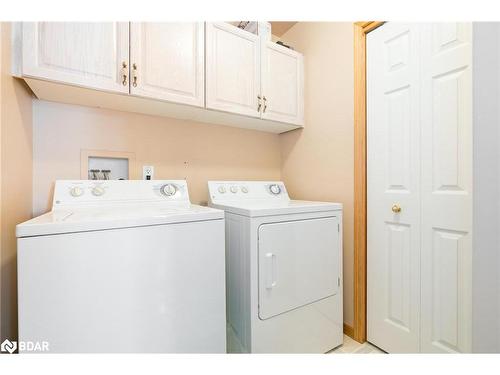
(274, 189)
(168, 190)
(76, 191)
(234, 189)
(244, 189)
(98, 191)
(222, 189)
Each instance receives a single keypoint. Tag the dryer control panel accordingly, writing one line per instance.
(224, 191)
(85, 192)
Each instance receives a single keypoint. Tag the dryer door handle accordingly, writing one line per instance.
(270, 270)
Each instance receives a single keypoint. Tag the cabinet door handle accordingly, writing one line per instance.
(134, 69)
(265, 104)
(124, 73)
(260, 104)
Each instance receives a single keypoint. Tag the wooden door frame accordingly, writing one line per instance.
(360, 31)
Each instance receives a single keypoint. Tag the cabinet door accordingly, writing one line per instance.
(167, 61)
(89, 54)
(282, 84)
(233, 69)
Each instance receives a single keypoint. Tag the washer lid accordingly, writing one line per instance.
(115, 217)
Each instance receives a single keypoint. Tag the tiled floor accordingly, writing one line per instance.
(348, 347)
(353, 347)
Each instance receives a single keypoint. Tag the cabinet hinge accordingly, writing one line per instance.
(338, 281)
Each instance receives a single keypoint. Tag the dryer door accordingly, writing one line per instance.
(298, 264)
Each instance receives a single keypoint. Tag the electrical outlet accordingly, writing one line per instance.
(148, 172)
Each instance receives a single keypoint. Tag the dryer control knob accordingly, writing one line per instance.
(98, 191)
(234, 189)
(222, 189)
(168, 190)
(274, 189)
(244, 189)
(76, 191)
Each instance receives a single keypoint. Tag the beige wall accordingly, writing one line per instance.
(317, 162)
(15, 180)
(177, 149)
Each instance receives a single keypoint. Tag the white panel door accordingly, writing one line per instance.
(94, 55)
(282, 84)
(446, 187)
(232, 69)
(441, 212)
(393, 165)
(167, 61)
(298, 264)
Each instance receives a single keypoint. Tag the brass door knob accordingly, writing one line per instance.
(396, 209)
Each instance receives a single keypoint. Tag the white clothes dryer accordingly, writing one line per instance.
(283, 267)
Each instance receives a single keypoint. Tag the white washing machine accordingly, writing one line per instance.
(283, 267)
(123, 266)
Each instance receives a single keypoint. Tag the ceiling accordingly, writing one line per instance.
(278, 28)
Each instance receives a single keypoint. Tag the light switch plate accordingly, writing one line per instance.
(148, 172)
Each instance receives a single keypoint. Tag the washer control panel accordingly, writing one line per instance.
(76, 192)
(246, 190)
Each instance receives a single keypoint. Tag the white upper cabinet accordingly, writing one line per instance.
(86, 54)
(167, 61)
(208, 72)
(233, 69)
(282, 84)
